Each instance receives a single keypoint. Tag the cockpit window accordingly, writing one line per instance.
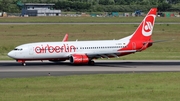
(18, 49)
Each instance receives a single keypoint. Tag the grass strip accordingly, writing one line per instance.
(14, 35)
(83, 19)
(100, 87)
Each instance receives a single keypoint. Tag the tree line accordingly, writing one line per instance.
(96, 5)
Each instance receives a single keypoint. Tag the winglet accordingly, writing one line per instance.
(65, 38)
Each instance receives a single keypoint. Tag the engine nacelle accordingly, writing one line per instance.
(79, 59)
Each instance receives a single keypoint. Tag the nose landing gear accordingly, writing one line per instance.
(22, 62)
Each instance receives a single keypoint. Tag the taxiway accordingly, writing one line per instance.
(10, 69)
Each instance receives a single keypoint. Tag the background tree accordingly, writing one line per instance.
(5, 5)
(97, 5)
(164, 7)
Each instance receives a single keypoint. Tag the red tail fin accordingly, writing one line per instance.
(144, 31)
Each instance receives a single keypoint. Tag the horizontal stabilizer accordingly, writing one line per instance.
(162, 40)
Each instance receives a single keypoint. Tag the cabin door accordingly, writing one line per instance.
(30, 50)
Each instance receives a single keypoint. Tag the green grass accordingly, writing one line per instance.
(84, 19)
(109, 87)
(14, 35)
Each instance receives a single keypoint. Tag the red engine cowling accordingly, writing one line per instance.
(79, 59)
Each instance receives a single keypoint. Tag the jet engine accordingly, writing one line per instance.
(79, 59)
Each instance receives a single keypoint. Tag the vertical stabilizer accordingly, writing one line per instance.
(144, 30)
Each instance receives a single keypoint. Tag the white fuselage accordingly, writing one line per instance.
(53, 50)
(82, 52)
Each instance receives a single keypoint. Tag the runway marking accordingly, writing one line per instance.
(13, 69)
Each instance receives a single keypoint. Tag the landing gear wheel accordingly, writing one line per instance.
(91, 63)
(24, 64)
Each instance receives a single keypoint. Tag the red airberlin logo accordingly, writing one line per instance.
(54, 49)
(148, 25)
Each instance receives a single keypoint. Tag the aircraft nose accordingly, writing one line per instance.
(11, 54)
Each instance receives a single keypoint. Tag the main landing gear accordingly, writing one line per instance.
(91, 62)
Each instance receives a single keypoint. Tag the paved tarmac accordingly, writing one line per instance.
(11, 69)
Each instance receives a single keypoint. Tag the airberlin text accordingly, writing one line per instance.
(54, 49)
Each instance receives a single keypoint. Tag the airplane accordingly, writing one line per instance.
(84, 52)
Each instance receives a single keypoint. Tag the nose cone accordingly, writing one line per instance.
(11, 54)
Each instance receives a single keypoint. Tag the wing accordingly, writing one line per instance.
(109, 54)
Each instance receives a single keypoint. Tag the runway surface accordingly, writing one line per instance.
(11, 69)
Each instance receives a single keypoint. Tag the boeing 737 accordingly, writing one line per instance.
(84, 52)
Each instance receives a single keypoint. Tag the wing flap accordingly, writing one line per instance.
(109, 54)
